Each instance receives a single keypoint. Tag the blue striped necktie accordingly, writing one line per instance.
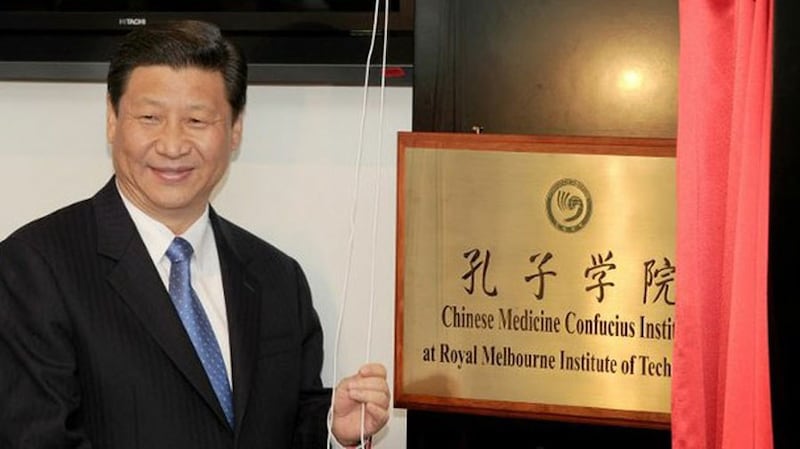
(196, 323)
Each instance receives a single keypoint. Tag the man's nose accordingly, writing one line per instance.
(173, 140)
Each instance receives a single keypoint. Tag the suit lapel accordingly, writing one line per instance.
(136, 280)
(242, 304)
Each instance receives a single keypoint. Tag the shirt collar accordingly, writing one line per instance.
(157, 237)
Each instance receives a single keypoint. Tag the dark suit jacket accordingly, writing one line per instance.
(93, 354)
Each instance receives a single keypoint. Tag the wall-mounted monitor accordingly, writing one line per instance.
(286, 41)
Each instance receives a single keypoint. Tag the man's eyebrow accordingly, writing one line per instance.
(147, 101)
(199, 108)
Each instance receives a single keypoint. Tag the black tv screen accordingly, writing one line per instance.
(242, 15)
(285, 41)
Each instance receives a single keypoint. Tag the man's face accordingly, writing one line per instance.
(172, 141)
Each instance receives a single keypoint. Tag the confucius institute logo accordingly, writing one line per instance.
(569, 205)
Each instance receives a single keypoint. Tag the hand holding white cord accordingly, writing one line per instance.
(360, 403)
(366, 391)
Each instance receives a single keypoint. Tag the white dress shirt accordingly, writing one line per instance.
(205, 269)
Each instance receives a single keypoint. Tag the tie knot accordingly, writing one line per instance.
(179, 250)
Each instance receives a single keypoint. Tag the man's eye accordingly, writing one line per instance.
(148, 118)
(197, 123)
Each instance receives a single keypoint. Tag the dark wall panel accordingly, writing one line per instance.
(784, 233)
(567, 67)
(558, 67)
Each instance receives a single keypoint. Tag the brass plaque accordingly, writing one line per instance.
(536, 276)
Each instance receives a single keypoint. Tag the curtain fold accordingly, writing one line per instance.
(720, 385)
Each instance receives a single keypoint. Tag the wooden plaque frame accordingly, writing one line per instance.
(403, 397)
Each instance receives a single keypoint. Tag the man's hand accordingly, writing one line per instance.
(367, 387)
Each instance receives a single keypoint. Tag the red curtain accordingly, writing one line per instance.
(720, 384)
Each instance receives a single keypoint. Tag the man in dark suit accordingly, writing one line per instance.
(96, 349)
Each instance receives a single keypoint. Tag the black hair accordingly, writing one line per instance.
(180, 44)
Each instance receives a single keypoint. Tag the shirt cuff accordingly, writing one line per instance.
(366, 445)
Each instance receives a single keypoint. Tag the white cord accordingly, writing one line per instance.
(354, 208)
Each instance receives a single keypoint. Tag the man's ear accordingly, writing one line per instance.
(111, 120)
(236, 136)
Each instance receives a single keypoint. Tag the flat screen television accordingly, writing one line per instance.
(285, 41)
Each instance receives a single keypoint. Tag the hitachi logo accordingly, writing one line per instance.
(132, 21)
